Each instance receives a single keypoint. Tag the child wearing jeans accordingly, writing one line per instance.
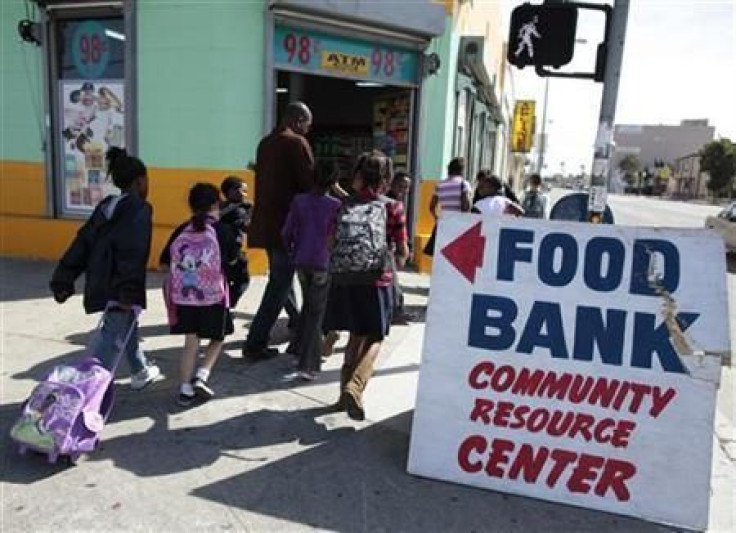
(308, 227)
(198, 254)
(112, 250)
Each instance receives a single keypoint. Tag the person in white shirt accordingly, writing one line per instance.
(491, 200)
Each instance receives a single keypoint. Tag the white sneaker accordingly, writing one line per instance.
(299, 375)
(145, 377)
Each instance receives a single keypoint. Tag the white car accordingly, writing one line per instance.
(725, 224)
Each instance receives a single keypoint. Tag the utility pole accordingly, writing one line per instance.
(543, 135)
(616, 34)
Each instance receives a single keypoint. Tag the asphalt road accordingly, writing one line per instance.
(644, 211)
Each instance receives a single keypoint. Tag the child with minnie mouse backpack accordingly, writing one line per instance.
(197, 255)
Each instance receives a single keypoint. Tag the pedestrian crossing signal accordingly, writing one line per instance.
(542, 35)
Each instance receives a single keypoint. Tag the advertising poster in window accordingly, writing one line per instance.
(391, 122)
(90, 107)
(92, 122)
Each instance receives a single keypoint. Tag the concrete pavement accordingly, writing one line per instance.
(261, 456)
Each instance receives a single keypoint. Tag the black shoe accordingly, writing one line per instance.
(354, 409)
(260, 355)
(201, 390)
(403, 319)
(185, 400)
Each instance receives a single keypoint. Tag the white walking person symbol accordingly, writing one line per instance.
(526, 33)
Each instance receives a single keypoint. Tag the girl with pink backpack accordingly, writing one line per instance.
(196, 289)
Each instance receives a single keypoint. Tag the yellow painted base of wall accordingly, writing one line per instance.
(27, 231)
(424, 226)
(48, 239)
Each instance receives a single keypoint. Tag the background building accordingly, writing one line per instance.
(688, 180)
(660, 144)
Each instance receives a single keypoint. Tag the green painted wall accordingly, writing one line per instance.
(21, 89)
(439, 106)
(200, 82)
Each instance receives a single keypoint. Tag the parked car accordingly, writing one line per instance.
(725, 224)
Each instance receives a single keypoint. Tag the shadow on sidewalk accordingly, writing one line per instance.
(418, 290)
(358, 482)
(144, 332)
(246, 437)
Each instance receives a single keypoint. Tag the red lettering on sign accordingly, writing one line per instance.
(481, 410)
(303, 51)
(389, 68)
(575, 388)
(528, 463)
(614, 477)
(376, 60)
(305, 45)
(479, 369)
(475, 444)
(290, 45)
(586, 470)
(579, 473)
(498, 456)
(555, 422)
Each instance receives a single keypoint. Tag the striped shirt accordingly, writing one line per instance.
(449, 192)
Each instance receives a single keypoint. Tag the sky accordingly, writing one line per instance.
(679, 63)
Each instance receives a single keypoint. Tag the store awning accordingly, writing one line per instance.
(473, 66)
(417, 19)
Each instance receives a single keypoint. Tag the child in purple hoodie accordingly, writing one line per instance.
(308, 228)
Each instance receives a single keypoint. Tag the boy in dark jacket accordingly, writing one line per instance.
(112, 250)
(235, 215)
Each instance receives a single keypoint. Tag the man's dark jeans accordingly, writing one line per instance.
(280, 280)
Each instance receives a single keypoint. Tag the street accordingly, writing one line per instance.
(264, 455)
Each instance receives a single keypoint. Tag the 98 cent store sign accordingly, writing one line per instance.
(574, 363)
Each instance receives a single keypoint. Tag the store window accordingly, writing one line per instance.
(90, 104)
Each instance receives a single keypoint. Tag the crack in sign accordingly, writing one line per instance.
(680, 341)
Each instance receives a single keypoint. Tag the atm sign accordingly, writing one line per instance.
(345, 63)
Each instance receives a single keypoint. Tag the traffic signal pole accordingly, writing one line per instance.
(616, 34)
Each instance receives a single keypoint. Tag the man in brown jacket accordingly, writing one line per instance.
(284, 168)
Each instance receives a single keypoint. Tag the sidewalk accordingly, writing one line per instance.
(261, 456)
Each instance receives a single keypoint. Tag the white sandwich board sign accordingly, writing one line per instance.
(574, 363)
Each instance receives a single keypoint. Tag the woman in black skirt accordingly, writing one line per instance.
(365, 309)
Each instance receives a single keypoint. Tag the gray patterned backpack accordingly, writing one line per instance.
(360, 254)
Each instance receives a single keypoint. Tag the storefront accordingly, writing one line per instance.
(191, 88)
(361, 94)
(361, 79)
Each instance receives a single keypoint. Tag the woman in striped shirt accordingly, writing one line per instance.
(452, 193)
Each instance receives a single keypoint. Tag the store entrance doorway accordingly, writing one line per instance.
(351, 117)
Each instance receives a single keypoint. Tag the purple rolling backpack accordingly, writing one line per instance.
(67, 411)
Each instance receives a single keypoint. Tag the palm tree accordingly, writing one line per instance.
(629, 165)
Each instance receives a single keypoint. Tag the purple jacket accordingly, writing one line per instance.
(309, 225)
